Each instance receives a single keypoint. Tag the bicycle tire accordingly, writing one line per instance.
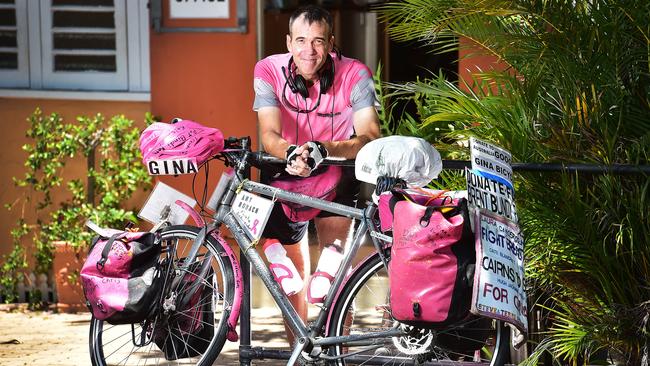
(114, 344)
(366, 292)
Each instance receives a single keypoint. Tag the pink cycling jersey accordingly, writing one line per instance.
(332, 119)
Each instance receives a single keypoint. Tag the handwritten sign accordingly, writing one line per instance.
(499, 291)
(252, 212)
(491, 195)
(199, 9)
(491, 161)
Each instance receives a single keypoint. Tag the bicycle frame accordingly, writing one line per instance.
(305, 335)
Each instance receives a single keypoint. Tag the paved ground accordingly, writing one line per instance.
(51, 339)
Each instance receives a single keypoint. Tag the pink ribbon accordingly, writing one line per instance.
(254, 228)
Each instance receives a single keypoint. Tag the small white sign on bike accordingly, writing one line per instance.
(172, 166)
(499, 290)
(491, 160)
(164, 197)
(252, 212)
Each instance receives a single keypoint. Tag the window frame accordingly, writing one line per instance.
(132, 74)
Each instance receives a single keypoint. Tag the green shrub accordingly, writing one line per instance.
(114, 172)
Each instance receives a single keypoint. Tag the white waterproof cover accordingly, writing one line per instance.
(411, 159)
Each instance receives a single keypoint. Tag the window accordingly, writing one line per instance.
(99, 45)
(13, 44)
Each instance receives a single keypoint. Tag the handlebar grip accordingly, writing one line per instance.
(260, 157)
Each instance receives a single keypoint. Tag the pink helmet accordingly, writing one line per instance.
(180, 140)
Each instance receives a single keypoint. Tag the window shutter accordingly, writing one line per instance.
(84, 44)
(14, 61)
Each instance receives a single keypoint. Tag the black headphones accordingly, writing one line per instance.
(298, 84)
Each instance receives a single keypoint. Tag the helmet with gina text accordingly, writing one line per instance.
(181, 139)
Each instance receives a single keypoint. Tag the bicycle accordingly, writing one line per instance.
(353, 325)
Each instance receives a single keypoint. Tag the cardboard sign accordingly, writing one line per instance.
(491, 195)
(199, 9)
(499, 277)
(491, 160)
(252, 212)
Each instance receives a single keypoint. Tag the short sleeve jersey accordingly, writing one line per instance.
(352, 89)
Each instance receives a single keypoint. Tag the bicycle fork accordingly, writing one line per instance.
(239, 290)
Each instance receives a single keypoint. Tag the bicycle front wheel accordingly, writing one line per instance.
(176, 335)
(362, 307)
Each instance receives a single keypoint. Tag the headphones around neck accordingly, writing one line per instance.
(298, 84)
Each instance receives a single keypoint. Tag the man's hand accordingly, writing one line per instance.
(302, 160)
(297, 157)
(317, 153)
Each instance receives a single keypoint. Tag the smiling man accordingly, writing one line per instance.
(312, 103)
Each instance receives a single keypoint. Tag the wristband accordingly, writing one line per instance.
(291, 154)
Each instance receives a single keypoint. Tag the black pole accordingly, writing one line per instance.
(560, 167)
(245, 312)
(540, 167)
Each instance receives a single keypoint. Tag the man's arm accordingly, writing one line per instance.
(270, 129)
(366, 127)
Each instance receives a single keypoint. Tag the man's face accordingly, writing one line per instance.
(309, 44)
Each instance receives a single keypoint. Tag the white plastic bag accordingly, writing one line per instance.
(411, 159)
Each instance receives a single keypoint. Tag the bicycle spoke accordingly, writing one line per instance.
(367, 293)
(176, 331)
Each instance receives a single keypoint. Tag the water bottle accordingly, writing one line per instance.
(328, 264)
(282, 267)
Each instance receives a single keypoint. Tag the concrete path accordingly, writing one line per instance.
(51, 339)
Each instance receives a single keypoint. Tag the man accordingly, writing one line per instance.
(312, 103)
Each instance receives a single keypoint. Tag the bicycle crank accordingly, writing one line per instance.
(416, 342)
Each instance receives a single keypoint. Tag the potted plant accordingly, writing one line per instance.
(111, 173)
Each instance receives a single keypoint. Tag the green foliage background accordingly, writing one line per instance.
(576, 90)
(116, 174)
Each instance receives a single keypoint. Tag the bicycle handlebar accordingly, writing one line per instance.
(261, 157)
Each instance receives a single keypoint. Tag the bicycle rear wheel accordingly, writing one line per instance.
(362, 307)
(193, 335)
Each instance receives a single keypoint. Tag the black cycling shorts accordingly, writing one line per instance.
(288, 232)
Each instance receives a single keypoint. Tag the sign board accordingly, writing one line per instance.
(164, 196)
(491, 195)
(199, 9)
(499, 278)
(252, 212)
(172, 166)
(491, 161)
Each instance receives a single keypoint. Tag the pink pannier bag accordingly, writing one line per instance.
(121, 278)
(432, 257)
(321, 186)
